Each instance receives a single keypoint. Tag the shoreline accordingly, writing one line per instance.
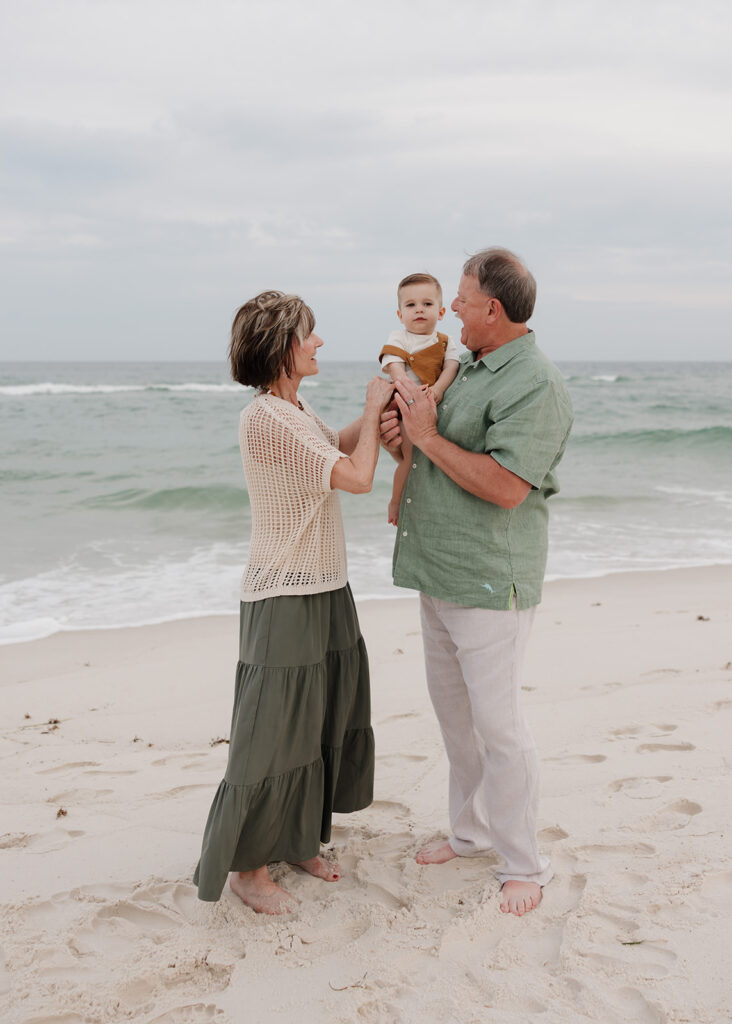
(113, 743)
(396, 595)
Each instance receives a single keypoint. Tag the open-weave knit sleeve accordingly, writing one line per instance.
(297, 544)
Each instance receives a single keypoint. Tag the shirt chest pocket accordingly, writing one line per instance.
(466, 424)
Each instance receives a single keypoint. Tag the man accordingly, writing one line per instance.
(472, 538)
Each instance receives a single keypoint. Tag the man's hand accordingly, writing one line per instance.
(418, 409)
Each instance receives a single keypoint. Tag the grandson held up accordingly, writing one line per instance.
(420, 352)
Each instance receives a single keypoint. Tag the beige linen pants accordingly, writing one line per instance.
(473, 660)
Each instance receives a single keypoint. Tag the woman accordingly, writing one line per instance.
(301, 743)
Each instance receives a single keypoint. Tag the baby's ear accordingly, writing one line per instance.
(399, 313)
(441, 313)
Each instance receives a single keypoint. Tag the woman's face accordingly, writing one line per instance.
(305, 352)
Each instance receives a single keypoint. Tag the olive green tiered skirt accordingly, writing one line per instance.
(301, 744)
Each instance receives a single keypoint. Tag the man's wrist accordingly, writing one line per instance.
(426, 441)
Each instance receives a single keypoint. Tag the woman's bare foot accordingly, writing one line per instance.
(519, 897)
(437, 852)
(321, 868)
(258, 891)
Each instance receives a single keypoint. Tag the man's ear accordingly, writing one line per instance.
(493, 310)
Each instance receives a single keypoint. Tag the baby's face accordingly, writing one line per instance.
(420, 307)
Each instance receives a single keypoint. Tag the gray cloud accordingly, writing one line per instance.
(164, 161)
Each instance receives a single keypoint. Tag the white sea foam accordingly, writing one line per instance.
(605, 378)
(51, 388)
(97, 591)
(30, 629)
(722, 497)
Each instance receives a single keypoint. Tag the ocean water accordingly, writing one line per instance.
(123, 499)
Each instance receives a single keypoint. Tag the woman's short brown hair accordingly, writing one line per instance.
(262, 336)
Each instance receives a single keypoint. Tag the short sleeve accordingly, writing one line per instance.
(395, 338)
(530, 433)
(451, 351)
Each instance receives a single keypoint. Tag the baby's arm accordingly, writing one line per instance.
(400, 478)
(396, 370)
(443, 382)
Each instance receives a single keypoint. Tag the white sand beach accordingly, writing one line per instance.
(111, 754)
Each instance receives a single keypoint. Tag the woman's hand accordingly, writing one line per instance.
(361, 441)
(418, 409)
(379, 392)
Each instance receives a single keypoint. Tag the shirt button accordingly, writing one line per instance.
(409, 501)
(404, 533)
(414, 465)
(464, 378)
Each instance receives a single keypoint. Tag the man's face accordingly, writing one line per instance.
(471, 306)
(420, 307)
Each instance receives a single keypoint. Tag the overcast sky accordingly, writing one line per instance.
(163, 161)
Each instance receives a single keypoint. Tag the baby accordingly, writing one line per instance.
(420, 352)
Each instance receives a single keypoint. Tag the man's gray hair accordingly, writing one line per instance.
(503, 276)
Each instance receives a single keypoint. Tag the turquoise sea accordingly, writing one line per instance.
(123, 499)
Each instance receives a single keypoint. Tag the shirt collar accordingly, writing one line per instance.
(503, 354)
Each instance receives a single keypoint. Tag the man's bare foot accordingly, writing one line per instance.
(519, 897)
(258, 891)
(436, 852)
(321, 868)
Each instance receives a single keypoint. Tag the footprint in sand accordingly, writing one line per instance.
(674, 816)
(594, 850)
(625, 732)
(654, 747)
(577, 759)
(68, 767)
(181, 790)
(631, 731)
(634, 1006)
(334, 929)
(79, 796)
(639, 787)
(14, 840)
(194, 760)
(552, 834)
(192, 1013)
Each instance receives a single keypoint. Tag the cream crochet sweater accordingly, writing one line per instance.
(297, 544)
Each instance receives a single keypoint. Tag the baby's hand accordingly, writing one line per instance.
(435, 392)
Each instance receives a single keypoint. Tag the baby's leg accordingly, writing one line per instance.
(400, 478)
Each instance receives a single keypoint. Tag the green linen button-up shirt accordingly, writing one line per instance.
(512, 404)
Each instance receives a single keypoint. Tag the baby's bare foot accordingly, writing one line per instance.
(321, 868)
(437, 852)
(258, 891)
(519, 897)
